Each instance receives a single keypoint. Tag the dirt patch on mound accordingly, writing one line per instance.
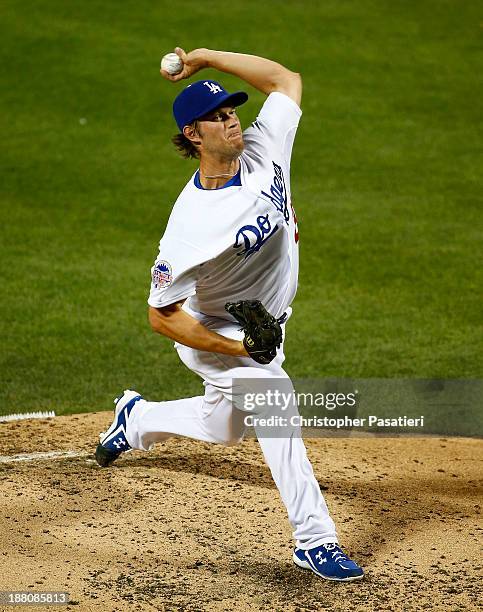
(194, 526)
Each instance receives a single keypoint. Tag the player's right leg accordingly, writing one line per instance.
(209, 418)
(113, 442)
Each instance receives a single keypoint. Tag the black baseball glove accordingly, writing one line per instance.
(263, 334)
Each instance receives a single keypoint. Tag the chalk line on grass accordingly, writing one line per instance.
(50, 414)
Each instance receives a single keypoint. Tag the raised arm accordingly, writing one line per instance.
(263, 74)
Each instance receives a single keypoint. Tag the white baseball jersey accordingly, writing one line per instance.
(237, 242)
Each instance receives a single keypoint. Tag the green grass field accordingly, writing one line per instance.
(386, 181)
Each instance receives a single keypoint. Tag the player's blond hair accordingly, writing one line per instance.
(184, 146)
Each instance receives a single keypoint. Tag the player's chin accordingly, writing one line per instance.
(236, 143)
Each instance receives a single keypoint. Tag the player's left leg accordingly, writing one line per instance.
(284, 451)
(317, 547)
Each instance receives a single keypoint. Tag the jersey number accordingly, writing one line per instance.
(295, 222)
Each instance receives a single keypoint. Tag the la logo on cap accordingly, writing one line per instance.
(213, 87)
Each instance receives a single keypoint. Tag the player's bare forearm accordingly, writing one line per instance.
(265, 75)
(173, 322)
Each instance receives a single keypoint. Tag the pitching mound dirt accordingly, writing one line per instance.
(193, 526)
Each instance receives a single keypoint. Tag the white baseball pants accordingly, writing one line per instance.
(212, 418)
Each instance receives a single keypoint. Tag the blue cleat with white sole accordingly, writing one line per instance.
(329, 562)
(113, 442)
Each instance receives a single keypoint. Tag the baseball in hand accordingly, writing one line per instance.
(171, 63)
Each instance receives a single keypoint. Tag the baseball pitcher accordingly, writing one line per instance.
(223, 282)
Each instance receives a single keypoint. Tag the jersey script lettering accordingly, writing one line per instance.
(254, 236)
(278, 192)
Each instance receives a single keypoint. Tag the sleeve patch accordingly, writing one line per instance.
(162, 275)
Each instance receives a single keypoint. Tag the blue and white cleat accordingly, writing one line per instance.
(113, 442)
(329, 562)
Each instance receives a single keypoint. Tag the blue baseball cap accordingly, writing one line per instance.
(202, 97)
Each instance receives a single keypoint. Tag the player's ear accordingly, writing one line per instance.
(192, 134)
